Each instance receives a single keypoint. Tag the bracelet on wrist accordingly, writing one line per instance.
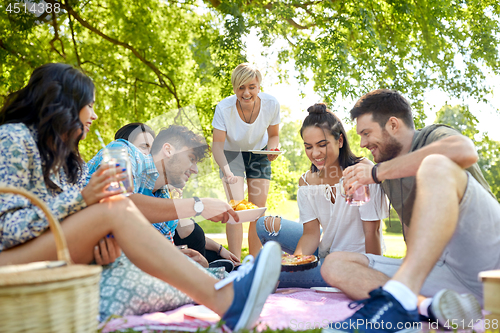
(374, 174)
(220, 249)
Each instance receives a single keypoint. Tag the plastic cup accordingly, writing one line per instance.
(118, 157)
(358, 198)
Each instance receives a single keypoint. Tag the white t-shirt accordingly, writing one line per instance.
(241, 136)
(341, 223)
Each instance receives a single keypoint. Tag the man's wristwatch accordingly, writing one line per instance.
(198, 206)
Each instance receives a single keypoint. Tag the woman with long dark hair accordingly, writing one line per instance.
(40, 127)
(327, 222)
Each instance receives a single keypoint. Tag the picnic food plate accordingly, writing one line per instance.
(298, 262)
(326, 289)
(242, 205)
(201, 312)
(268, 152)
(247, 215)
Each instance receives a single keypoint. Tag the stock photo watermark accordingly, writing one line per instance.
(352, 324)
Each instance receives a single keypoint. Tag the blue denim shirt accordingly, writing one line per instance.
(145, 175)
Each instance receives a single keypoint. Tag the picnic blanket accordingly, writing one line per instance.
(294, 308)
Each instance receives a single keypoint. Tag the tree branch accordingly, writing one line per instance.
(155, 69)
(179, 116)
(144, 81)
(294, 24)
(135, 100)
(298, 26)
(289, 41)
(57, 38)
(74, 42)
(93, 63)
(215, 3)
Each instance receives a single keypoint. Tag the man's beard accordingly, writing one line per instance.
(391, 148)
(173, 173)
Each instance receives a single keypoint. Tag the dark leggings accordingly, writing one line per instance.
(196, 241)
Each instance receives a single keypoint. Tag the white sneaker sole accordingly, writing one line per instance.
(266, 277)
(448, 305)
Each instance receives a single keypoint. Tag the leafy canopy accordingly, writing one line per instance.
(147, 59)
(353, 47)
(152, 59)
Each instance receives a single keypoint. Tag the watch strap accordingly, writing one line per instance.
(374, 174)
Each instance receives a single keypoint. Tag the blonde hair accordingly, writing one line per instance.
(244, 73)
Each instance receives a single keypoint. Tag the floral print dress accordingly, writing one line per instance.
(21, 167)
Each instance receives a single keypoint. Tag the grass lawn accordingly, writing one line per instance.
(395, 245)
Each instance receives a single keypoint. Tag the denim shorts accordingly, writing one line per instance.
(247, 164)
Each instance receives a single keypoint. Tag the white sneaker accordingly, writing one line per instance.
(449, 307)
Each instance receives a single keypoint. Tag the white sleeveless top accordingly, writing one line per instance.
(341, 223)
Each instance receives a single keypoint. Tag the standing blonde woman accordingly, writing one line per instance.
(248, 120)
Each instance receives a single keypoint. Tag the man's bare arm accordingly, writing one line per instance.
(458, 148)
(158, 210)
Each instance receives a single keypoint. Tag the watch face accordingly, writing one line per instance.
(198, 206)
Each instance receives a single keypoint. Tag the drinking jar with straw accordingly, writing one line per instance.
(117, 156)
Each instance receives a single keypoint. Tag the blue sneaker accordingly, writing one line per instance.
(252, 283)
(380, 313)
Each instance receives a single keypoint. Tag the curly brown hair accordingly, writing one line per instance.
(180, 137)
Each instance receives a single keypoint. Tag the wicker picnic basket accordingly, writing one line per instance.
(52, 296)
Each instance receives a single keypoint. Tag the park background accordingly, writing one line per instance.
(165, 62)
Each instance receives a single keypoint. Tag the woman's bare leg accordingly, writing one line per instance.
(257, 193)
(141, 242)
(234, 232)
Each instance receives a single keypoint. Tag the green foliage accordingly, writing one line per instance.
(294, 162)
(285, 178)
(230, 49)
(460, 118)
(277, 195)
(292, 143)
(352, 47)
(147, 59)
(205, 186)
(151, 59)
(489, 161)
(354, 143)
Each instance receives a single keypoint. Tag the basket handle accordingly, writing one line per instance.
(55, 227)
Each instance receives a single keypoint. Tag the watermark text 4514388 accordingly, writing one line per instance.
(33, 8)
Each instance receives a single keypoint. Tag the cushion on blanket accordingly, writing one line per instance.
(126, 290)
